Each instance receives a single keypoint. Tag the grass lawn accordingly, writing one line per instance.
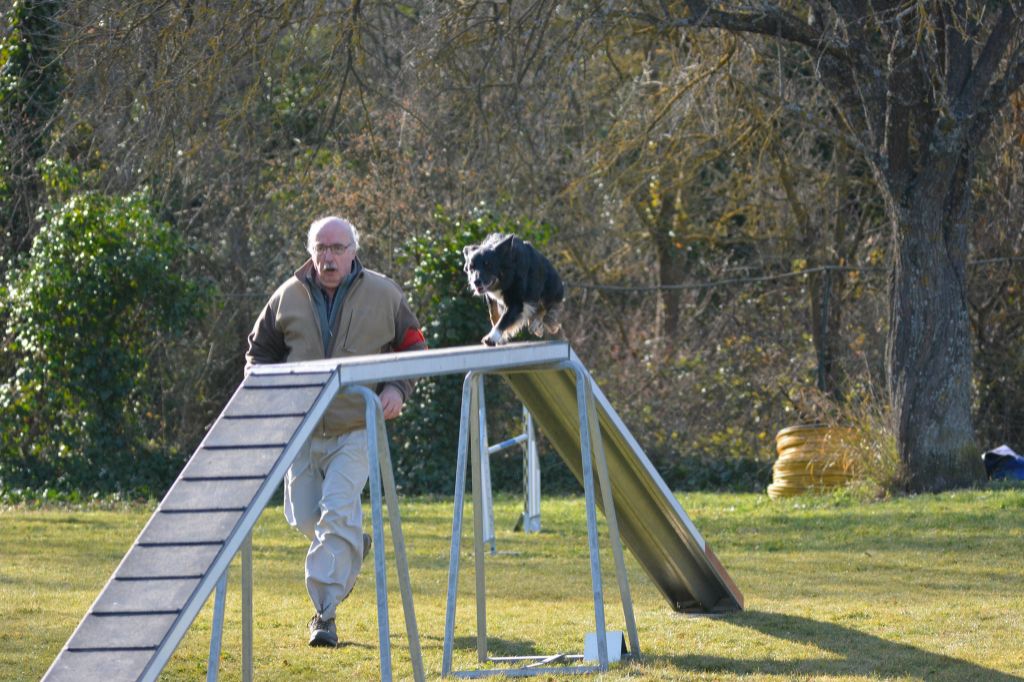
(918, 588)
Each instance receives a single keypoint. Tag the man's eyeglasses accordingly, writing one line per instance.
(336, 249)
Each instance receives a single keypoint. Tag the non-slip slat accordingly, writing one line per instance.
(144, 596)
(250, 433)
(173, 561)
(136, 631)
(190, 527)
(261, 402)
(231, 463)
(120, 666)
(223, 494)
(287, 380)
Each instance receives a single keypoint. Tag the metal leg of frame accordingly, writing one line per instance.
(217, 628)
(381, 475)
(477, 434)
(401, 556)
(460, 495)
(583, 395)
(247, 608)
(531, 480)
(613, 525)
(485, 472)
(379, 568)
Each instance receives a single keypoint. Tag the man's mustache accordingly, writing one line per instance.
(329, 267)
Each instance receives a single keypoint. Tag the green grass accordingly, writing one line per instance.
(917, 588)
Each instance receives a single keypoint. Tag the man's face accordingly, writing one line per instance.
(333, 254)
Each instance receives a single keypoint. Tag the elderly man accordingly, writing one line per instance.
(333, 308)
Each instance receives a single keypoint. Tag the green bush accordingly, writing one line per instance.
(89, 312)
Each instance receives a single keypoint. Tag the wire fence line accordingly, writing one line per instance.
(720, 282)
(710, 284)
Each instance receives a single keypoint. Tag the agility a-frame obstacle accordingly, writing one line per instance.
(156, 592)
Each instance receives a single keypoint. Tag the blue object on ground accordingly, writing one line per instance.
(1003, 462)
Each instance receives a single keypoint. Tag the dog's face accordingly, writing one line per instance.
(486, 265)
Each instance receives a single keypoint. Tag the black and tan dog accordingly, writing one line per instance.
(521, 286)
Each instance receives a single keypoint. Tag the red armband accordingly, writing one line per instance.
(413, 336)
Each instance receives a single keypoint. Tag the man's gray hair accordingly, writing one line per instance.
(317, 224)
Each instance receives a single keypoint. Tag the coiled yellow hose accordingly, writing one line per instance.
(810, 457)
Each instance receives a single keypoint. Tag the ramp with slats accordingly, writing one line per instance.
(165, 578)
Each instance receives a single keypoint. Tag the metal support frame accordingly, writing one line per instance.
(529, 521)
(217, 626)
(216, 629)
(381, 472)
(381, 475)
(472, 432)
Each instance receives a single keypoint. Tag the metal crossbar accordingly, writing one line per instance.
(529, 520)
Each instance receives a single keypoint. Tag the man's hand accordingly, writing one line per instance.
(391, 401)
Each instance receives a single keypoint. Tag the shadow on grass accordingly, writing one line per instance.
(497, 646)
(857, 653)
(348, 644)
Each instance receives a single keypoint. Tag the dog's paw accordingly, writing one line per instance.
(537, 326)
(494, 338)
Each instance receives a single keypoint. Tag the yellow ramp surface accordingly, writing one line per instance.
(651, 521)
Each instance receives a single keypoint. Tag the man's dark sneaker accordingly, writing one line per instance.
(367, 544)
(322, 632)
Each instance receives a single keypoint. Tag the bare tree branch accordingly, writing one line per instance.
(765, 20)
(956, 49)
(998, 95)
(1005, 29)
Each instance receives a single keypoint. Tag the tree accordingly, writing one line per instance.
(917, 85)
(997, 282)
(30, 89)
(648, 150)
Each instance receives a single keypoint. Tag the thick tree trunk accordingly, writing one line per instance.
(671, 271)
(928, 351)
(671, 261)
(826, 308)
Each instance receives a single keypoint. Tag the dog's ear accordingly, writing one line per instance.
(505, 245)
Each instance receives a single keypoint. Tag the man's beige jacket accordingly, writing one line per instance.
(375, 318)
